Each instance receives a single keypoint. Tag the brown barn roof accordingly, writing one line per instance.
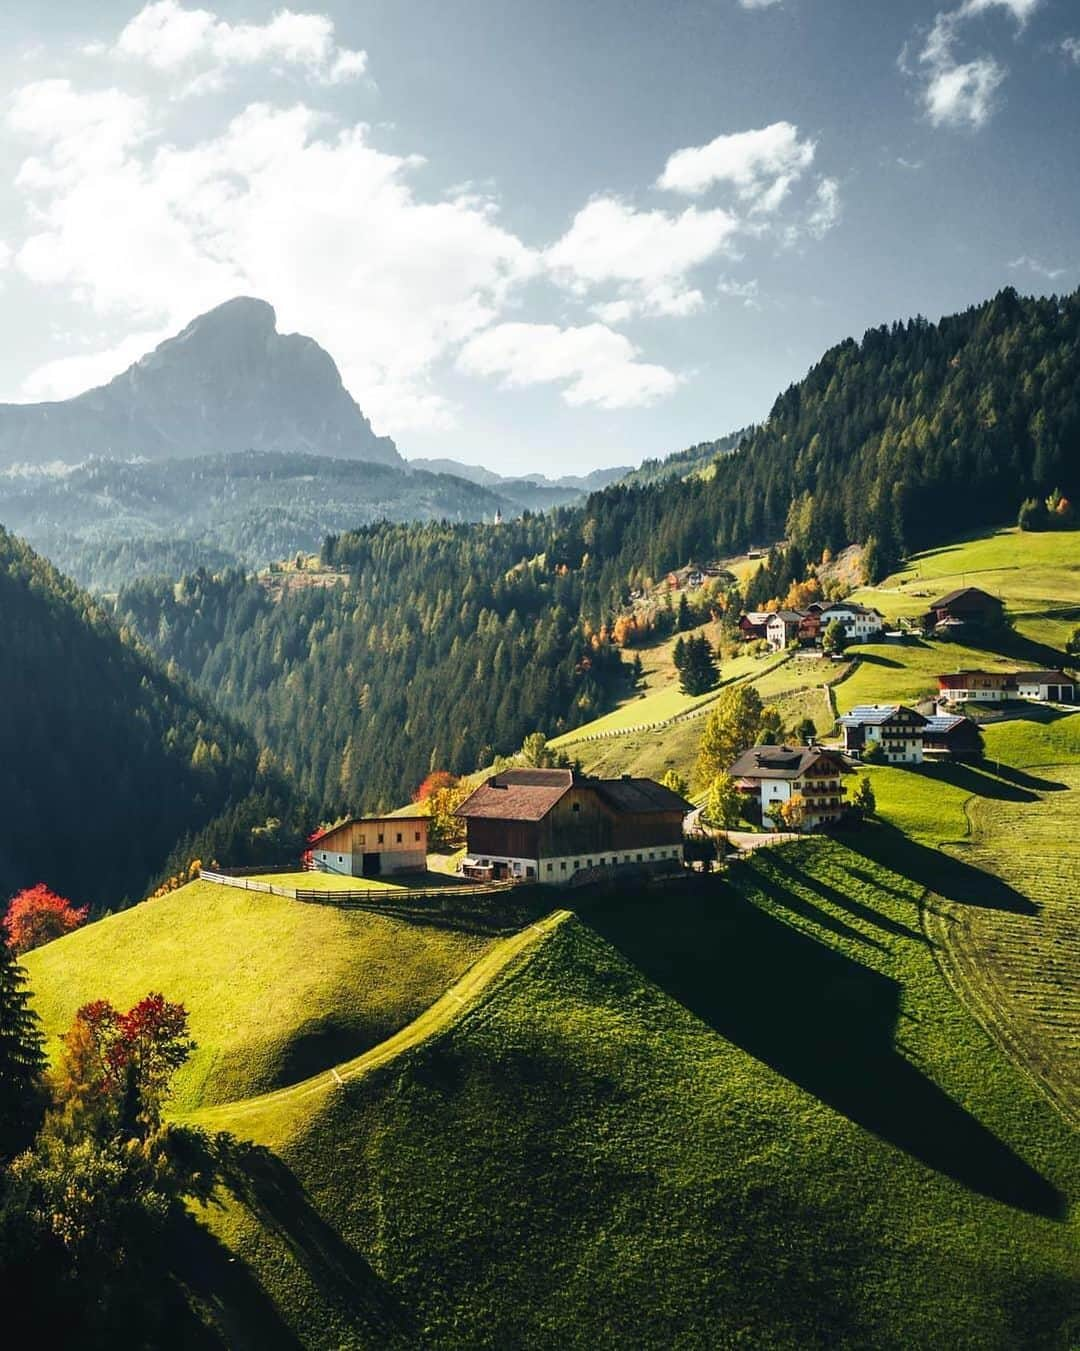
(529, 794)
(967, 592)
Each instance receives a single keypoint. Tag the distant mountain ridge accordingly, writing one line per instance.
(538, 492)
(229, 382)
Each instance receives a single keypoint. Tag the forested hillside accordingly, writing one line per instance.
(882, 441)
(105, 760)
(449, 644)
(452, 642)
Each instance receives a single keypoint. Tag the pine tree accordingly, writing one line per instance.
(22, 1059)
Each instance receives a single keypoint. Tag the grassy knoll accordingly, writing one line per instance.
(904, 672)
(741, 1112)
(276, 990)
(1031, 572)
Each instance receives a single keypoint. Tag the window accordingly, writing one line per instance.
(588, 863)
(549, 867)
(416, 837)
(381, 837)
(340, 859)
(640, 858)
(361, 841)
(562, 866)
(398, 840)
(575, 806)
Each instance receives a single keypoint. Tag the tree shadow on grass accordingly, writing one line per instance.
(1022, 779)
(818, 1017)
(855, 908)
(934, 870)
(267, 1188)
(978, 782)
(875, 659)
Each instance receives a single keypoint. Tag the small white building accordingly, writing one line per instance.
(1053, 687)
(774, 774)
(782, 628)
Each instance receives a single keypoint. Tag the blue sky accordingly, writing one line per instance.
(540, 236)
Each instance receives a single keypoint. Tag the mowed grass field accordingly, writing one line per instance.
(1029, 571)
(748, 1112)
(1018, 964)
(276, 989)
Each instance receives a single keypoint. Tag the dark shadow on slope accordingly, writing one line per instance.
(273, 1194)
(1022, 779)
(875, 659)
(936, 871)
(1009, 643)
(823, 1020)
(225, 1306)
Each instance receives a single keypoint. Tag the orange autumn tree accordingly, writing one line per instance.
(37, 915)
(436, 781)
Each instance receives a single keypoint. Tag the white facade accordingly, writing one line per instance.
(555, 870)
(779, 632)
(859, 626)
(901, 747)
(1046, 691)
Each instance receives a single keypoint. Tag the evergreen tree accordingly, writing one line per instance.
(22, 1059)
(698, 671)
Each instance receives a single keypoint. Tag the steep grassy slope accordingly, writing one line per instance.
(276, 990)
(745, 1113)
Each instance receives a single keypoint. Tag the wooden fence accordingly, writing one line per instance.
(387, 896)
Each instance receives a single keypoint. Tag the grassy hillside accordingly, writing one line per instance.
(276, 990)
(750, 1112)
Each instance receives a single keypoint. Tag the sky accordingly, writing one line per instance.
(539, 235)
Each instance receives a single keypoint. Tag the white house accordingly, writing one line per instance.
(898, 730)
(774, 774)
(782, 627)
(862, 623)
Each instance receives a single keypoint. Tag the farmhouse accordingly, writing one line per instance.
(996, 686)
(984, 687)
(773, 774)
(782, 628)
(861, 623)
(951, 736)
(898, 730)
(548, 824)
(372, 846)
(967, 605)
(752, 624)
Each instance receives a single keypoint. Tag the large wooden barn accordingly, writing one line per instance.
(372, 846)
(548, 824)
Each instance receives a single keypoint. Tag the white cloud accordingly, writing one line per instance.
(746, 291)
(961, 93)
(195, 42)
(594, 364)
(646, 254)
(1071, 48)
(758, 4)
(761, 165)
(1021, 10)
(1039, 268)
(825, 210)
(278, 205)
(62, 378)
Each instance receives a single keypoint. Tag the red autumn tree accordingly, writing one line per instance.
(435, 782)
(117, 1068)
(38, 915)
